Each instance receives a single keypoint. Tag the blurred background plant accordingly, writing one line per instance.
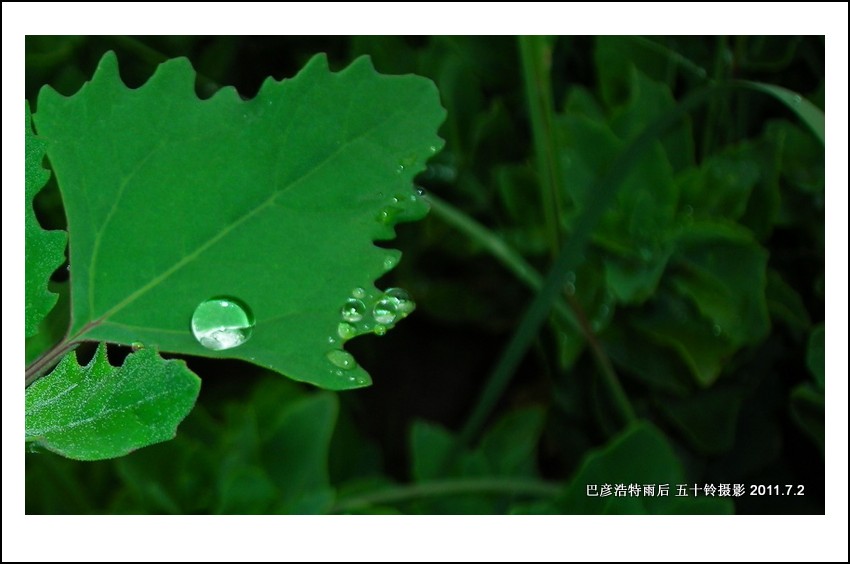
(684, 343)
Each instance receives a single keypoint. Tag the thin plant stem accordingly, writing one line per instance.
(441, 488)
(536, 57)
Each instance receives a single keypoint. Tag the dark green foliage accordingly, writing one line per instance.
(702, 285)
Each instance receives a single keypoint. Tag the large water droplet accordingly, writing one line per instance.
(385, 310)
(342, 359)
(403, 303)
(222, 323)
(346, 331)
(353, 310)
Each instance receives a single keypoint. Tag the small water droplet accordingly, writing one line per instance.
(380, 330)
(331, 340)
(399, 169)
(716, 330)
(395, 199)
(798, 99)
(388, 214)
(353, 310)
(358, 293)
(570, 288)
(390, 261)
(342, 359)
(433, 148)
(222, 323)
(420, 191)
(137, 346)
(385, 310)
(346, 330)
(570, 277)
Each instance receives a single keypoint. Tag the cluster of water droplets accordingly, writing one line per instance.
(365, 312)
(372, 313)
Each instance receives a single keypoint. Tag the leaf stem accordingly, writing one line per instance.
(514, 262)
(409, 492)
(52, 355)
(536, 56)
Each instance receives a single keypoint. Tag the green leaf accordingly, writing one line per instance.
(274, 201)
(785, 303)
(646, 361)
(807, 409)
(45, 250)
(98, 411)
(722, 185)
(674, 322)
(616, 57)
(808, 113)
(510, 445)
(723, 271)
(296, 454)
(708, 418)
(430, 448)
(640, 455)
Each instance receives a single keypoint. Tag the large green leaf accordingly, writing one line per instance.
(45, 250)
(273, 201)
(98, 411)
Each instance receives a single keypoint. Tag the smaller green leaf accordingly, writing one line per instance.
(647, 362)
(670, 320)
(45, 250)
(785, 303)
(99, 411)
(810, 114)
(640, 455)
(722, 270)
(510, 445)
(807, 408)
(708, 419)
(430, 447)
(722, 185)
(296, 454)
